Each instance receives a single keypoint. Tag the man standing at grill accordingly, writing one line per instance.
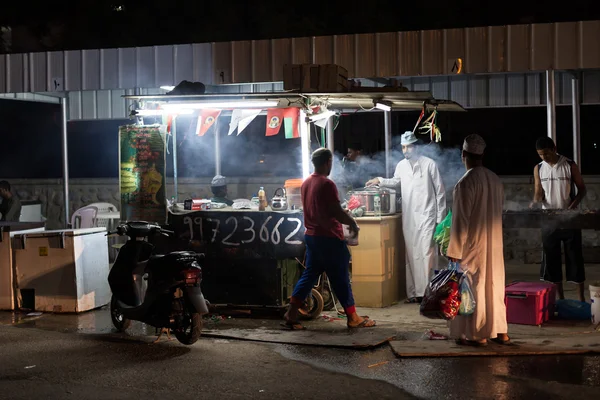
(423, 206)
(559, 186)
(476, 243)
(326, 249)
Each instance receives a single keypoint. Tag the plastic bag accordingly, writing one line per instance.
(467, 297)
(442, 233)
(573, 310)
(442, 296)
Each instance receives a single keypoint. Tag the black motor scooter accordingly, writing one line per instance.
(159, 290)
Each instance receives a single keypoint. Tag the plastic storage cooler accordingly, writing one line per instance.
(529, 303)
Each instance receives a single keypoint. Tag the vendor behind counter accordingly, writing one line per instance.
(218, 187)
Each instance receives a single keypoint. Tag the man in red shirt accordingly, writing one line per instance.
(326, 249)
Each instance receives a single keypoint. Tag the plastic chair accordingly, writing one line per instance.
(104, 208)
(86, 216)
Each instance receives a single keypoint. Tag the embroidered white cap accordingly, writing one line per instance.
(474, 144)
(219, 180)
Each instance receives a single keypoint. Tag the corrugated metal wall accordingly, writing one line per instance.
(513, 48)
(126, 68)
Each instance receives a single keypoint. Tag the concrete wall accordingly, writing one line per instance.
(521, 244)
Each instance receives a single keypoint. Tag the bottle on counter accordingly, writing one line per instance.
(377, 205)
(262, 199)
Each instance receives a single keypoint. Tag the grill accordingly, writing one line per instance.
(565, 219)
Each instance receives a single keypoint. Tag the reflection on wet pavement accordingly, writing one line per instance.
(538, 377)
(544, 377)
(96, 322)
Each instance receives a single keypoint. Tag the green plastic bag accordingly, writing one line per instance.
(442, 233)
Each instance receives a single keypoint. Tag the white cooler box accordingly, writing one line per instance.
(62, 271)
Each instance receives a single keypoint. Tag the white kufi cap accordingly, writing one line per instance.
(408, 138)
(219, 180)
(474, 144)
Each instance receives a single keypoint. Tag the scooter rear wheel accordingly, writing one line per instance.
(118, 320)
(190, 333)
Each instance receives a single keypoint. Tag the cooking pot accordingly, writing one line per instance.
(366, 197)
(279, 201)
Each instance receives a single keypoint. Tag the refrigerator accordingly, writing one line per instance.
(62, 271)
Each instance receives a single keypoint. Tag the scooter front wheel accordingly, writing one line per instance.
(116, 315)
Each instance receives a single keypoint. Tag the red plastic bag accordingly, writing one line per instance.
(442, 297)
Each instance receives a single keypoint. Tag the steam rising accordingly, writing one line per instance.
(251, 155)
(448, 161)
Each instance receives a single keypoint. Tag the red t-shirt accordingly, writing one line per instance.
(318, 193)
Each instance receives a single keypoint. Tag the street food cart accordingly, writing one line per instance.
(253, 258)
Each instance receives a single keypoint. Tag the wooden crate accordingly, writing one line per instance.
(332, 78)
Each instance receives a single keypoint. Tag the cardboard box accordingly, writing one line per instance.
(378, 262)
(304, 77)
(310, 77)
(292, 77)
(62, 271)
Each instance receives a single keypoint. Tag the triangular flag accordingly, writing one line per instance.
(236, 117)
(249, 116)
(168, 121)
(290, 123)
(274, 120)
(240, 119)
(206, 119)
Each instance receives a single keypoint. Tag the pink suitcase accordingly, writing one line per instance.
(529, 303)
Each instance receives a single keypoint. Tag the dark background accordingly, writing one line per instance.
(67, 24)
(31, 135)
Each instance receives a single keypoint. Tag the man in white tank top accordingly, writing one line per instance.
(559, 186)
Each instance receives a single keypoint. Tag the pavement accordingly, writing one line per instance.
(56, 356)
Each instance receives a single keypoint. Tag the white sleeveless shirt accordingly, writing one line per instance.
(557, 183)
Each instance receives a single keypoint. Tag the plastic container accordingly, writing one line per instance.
(595, 300)
(377, 205)
(292, 191)
(262, 199)
(529, 303)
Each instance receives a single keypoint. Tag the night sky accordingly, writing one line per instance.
(100, 24)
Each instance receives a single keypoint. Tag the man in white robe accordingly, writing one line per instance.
(423, 207)
(476, 243)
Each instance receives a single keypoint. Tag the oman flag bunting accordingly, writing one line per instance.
(206, 120)
(288, 117)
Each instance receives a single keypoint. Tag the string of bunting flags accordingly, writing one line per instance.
(277, 118)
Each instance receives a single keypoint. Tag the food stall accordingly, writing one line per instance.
(254, 258)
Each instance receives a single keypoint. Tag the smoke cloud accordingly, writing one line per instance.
(448, 161)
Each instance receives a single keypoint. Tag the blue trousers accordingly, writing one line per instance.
(329, 255)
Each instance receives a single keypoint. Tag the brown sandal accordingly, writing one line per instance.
(366, 323)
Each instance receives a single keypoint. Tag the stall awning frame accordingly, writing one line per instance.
(347, 101)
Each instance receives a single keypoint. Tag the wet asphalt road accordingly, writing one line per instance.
(52, 365)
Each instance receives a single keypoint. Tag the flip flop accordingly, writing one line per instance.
(293, 326)
(502, 342)
(473, 343)
(363, 324)
(413, 300)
